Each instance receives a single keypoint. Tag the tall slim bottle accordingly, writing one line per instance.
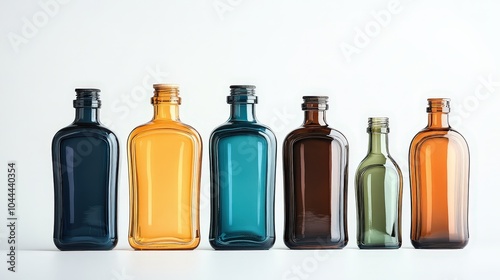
(242, 171)
(379, 189)
(85, 169)
(315, 168)
(439, 178)
(164, 173)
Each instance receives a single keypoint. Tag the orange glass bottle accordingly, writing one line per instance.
(164, 173)
(439, 180)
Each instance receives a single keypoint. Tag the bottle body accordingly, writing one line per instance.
(164, 174)
(315, 169)
(439, 177)
(379, 188)
(85, 170)
(242, 171)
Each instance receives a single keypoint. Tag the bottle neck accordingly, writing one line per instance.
(166, 101)
(244, 112)
(378, 143)
(315, 118)
(86, 115)
(166, 112)
(438, 120)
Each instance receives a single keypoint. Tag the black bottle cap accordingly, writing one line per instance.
(87, 97)
(242, 94)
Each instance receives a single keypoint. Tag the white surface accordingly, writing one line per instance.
(287, 49)
(279, 263)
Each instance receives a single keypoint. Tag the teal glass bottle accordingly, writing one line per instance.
(242, 173)
(85, 170)
(379, 188)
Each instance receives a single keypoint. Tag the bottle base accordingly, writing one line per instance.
(242, 244)
(85, 244)
(163, 245)
(315, 245)
(379, 246)
(439, 244)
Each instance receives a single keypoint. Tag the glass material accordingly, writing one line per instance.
(85, 169)
(164, 174)
(439, 178)
(242, 171)
(379, 189)
(315, 168)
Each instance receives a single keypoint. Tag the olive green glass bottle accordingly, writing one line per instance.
(379, 187)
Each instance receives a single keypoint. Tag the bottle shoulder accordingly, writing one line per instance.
(239, 128)
(378, 159)
(76, 130)
(315, 132)
(372, 164)
(161, 127)
(430, 135)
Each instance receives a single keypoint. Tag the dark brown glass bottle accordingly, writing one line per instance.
(315, 162)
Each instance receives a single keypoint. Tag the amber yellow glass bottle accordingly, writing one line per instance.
(164, 172)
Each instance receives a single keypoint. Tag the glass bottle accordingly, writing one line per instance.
(379, 189)
(164, 174)
(315, 168)
(439, 180)
(242, 171)
(85, 169)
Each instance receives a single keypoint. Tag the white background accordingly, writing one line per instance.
(416, 50)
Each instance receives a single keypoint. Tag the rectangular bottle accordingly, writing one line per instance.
(439, 180)
(315, 168)
(164, 173)
(379, 189)
(85, 169)
(242, 171)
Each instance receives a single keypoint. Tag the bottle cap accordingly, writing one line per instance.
(166, 93)
(315, 103)
(242, 94)
(438, 105)
(378, 124)
(87, 97)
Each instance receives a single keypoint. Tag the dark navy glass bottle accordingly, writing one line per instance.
(85, 165)
(242, 172)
